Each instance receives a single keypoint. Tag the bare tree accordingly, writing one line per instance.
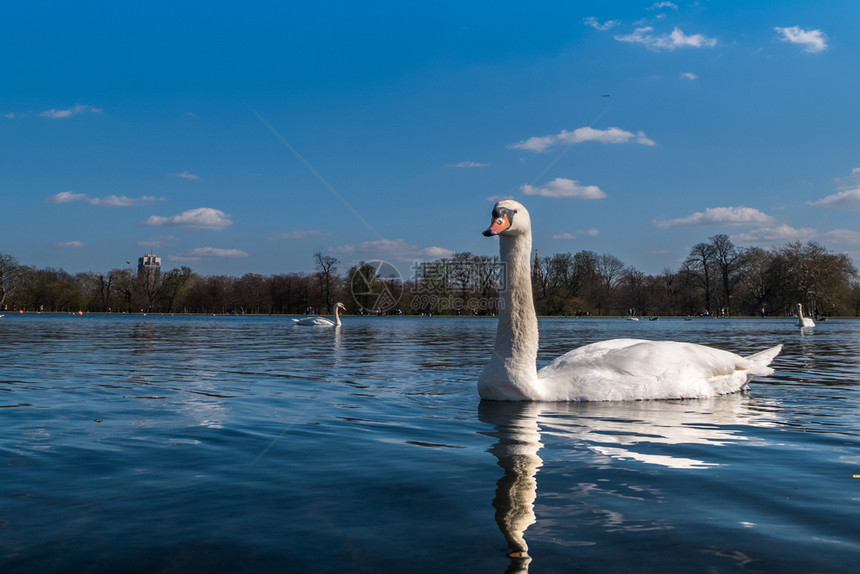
(10, 276)
(816, 276)
(288, 293)
(462, 276)
(670, 285)
(608, 273)
(326, 266)
(487, 274)
(727, 258)
(125, 284)
(105, 287)
(757, 280)
(637, 290)
(700, 265)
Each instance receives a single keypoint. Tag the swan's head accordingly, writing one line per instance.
(509, 218)
(341, 306)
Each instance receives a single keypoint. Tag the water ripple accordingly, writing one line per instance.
(247, 444)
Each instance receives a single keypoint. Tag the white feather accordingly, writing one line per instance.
(615, 370)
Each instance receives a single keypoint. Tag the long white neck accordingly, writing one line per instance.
(511, 373)
(336, 316)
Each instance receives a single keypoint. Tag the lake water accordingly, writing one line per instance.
(248, 444)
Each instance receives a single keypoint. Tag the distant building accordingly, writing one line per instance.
(149, 265)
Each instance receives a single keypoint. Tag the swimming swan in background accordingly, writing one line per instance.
(801, 320)
(615, 370)
(322, 321)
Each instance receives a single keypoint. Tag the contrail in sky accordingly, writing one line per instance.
(341, 198)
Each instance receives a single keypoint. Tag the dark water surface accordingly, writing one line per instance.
(247, 444)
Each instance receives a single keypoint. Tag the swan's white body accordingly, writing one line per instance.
(322, 321)
(615, 370)
(801, 320)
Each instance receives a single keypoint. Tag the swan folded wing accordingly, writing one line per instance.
(314, 322)
(635, 369)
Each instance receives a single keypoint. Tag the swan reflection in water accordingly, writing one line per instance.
(617, 430)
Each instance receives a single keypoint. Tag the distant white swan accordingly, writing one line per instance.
(801, 320)
(322, 321)
(619, 369)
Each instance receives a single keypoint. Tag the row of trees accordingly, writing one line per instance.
(717, 278)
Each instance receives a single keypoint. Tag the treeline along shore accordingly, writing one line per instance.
(716, 279)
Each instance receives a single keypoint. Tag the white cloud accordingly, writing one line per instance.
(612, 135)
(595, 23)
(847, 236)
(812, 40)
(719, 216)
(689, 76)
(848, 198)
(71, 244)
(436, 252)
(567, 235)
(73, 111)
(562, 187)
(123, 201)
(397, 250)
(468, 164)
(185, 175)
(780, 233)
(669, 42)
(661, 5)
(215, 252)
(66, 197)
(200, 218)
(301, 234)
(200, 253)
(106, 201)
(850, 180)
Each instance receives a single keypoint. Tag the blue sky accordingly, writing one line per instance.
(243, 138)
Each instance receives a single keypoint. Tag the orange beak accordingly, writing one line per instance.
(499, 224)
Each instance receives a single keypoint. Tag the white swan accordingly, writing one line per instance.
(619, 369)
(322, 321)
(801, 320)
